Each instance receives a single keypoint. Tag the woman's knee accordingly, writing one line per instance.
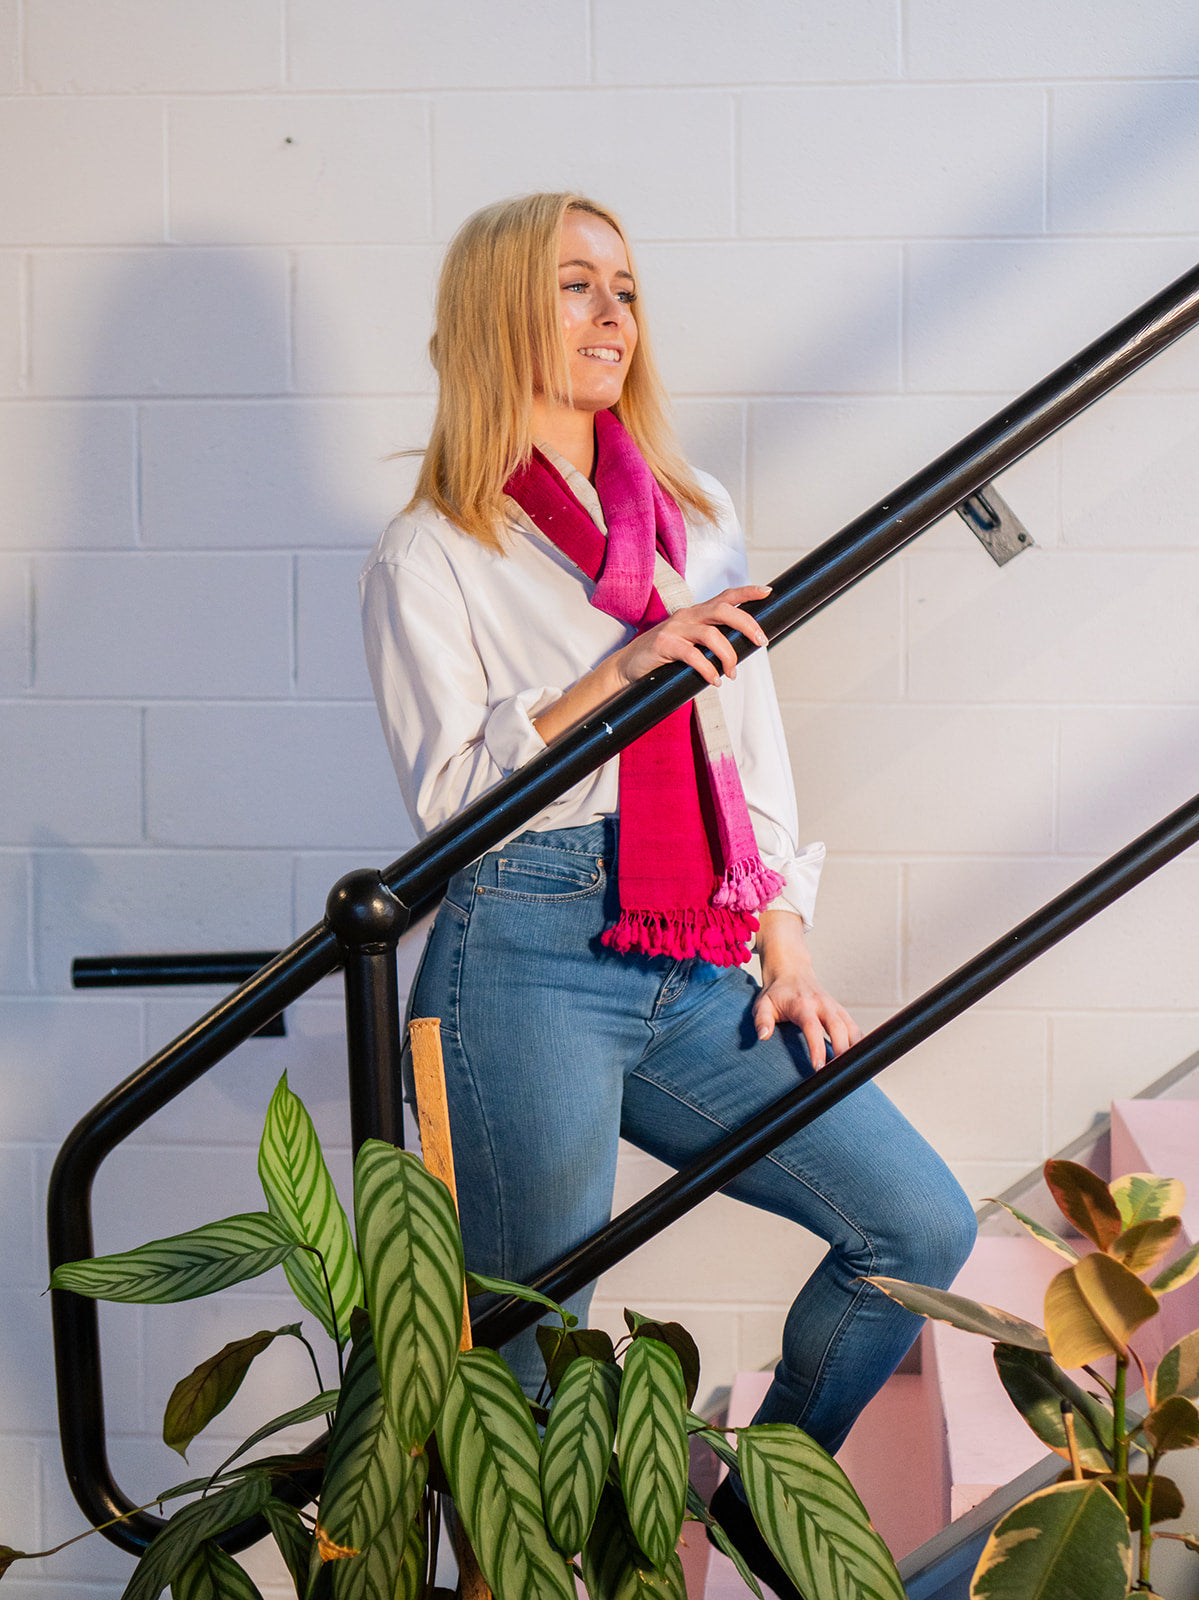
(939, 1235)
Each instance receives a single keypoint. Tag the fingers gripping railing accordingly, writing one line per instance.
(418, 877)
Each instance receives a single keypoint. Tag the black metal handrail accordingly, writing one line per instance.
(799, 593)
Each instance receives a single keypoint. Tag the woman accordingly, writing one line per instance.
(588, 974)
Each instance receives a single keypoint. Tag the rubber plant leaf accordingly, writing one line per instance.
(1040, 1233)
(811, 1518)
(392, 1568)
(1036, 1386)
(1144, 1197)
(577, 1450)
(1093, 1308)
(300, 1192)
(1165, 1503)
(370, 1479)
(489, 1449)
(616, 1568)
(680, 1341)
(476, 1283)
(185, 1266)
(651, 1446)
(293, 1537)
(560, 1346)
(172, 1549)
(698, 1511)
(970, 1315)
(1144, 1244)
(1085, 1200)
(1070, 1539)
(1178, 1370)
(412, 1262)
(208, 1388)
(212, 1575)
(1178, 1272)
(1173, 1424)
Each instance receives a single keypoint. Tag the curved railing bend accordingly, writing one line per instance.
(418, 877)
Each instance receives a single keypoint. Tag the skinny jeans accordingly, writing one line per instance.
(555, 1046)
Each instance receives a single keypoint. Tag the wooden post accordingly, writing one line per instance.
(437, 1151)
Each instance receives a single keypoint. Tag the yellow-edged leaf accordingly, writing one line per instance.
(1068, 1540)
(1178, 1370)
(1178, 1272)
(1144, 1244)
(972, 1316)
(1173, 1425)
(1093, 1308)
(1144, 1197)
(1085, 1200)
(1040, 1233)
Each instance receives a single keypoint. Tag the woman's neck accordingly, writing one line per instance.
(570, 432)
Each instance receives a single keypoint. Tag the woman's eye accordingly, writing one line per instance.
(627, 296)
(580, 287)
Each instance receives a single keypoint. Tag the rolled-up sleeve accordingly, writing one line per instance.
(448, 744)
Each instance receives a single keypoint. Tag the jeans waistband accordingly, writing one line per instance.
(590, 839)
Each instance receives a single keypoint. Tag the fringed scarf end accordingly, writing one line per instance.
(710, 933)
(748, 886)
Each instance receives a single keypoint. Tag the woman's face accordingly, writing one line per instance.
(595, 295)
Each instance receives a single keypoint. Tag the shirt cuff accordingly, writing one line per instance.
(509, 735)
(801, 875)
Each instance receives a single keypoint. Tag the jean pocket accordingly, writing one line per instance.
(546, 876)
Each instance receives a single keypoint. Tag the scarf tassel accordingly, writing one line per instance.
(713, 933)
(748, 886)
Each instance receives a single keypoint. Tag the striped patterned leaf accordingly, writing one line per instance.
(212, 1575)
(300, 1192)
(368, 1473)
(167, 1557)
(323, 1405)
(811, 1518)
(489, 1448)
(412, 1260)
(293, 1538)
(184, 1267)
(477, 1283)
(577, 1450)
(393, 1568)
(651, 1443)
(614, 1568)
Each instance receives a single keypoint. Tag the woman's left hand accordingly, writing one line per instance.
(791, 992)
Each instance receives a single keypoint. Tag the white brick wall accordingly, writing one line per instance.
(863, 226)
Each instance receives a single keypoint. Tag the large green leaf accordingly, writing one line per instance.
(293, 1537)
(188, 1529)
(489, 1448)
(1144, 1244)
(615, 1568)
(1093, 1308)
(1178, 1370)
(560, 1346)
(1178, 1272)
(970, 1315)
(208, 1388)
(1173, 1425)
(393, 1568)
(1086, 1200)
(185, 1266)
(1040, 1233)
(1036, 1386)
(1144, 1197)
(811, 1518)
(577, 1450)
(212, 1575)
(1068, 1542)
(369, 1474)
(300, 1192)
(412, 1261)
(651, 1444)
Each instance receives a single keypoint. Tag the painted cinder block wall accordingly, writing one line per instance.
(864, 225)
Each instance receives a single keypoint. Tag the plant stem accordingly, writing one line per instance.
(1120, 1438)
(1146, 1530)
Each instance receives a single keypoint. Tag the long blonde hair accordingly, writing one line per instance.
(497, 342)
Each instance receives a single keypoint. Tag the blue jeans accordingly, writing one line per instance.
(555, 1046)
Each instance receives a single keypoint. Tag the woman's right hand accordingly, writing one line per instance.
(682, 635)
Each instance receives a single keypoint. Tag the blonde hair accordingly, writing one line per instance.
(497, 342)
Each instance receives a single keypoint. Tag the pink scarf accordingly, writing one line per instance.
(689, 871)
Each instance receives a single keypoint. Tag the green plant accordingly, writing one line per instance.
(1074, 1538)
(412, 1415)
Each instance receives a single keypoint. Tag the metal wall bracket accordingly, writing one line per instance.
(994, 524)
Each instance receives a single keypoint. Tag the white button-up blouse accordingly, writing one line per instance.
(467, 646)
